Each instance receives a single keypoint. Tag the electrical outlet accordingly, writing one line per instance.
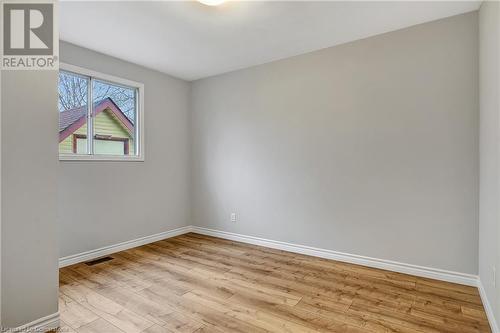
(233, 217)
(494, 269)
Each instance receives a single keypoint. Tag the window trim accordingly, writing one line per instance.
(139, 121)
(126, 142)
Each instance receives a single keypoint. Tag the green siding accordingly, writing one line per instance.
(105, 123)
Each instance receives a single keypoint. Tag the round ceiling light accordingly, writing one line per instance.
(212, 2)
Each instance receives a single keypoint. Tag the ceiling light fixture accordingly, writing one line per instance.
(212, 2)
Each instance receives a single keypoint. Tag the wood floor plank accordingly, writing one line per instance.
(105, 308)
(476, 312)
(448, 294)
(449, 286)
(99, 326)
(197, 283)
(157, 329)
(298, 316)
(199, 312)
(74, 314)
(129, 299)
(414, 319)
(181, 323)
(64, 328)
(261, 319)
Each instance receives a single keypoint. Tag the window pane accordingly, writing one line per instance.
(108, 147)
(114, 119)
(72, 112)
(81, 145)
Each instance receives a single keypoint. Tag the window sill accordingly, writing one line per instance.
(102, 158)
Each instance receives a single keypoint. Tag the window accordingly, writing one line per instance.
(100, 116)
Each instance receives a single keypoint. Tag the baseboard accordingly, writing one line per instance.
(487, 308)
(40, 325)
(107, 250)
(433, 273)
(428, 272)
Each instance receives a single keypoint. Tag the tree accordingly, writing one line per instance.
(73, 94)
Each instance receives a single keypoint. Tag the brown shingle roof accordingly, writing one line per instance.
(73, 119)
(69, 117)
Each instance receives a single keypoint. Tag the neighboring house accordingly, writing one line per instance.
(113, 131)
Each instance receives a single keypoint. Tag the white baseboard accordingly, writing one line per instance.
(487, 307)
(40, 325)
(433, 273)
(107, 250)
(422, 271)
(428, 272)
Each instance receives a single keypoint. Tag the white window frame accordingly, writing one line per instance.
(139, 116)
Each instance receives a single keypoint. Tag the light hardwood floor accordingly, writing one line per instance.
(196, 283)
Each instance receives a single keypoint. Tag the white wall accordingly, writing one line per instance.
(30, 242)
(104, 203)
(489, 40)
(368, 148)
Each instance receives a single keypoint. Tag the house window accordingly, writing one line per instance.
(106, 109)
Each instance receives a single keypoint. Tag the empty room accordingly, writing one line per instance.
(250, 166)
